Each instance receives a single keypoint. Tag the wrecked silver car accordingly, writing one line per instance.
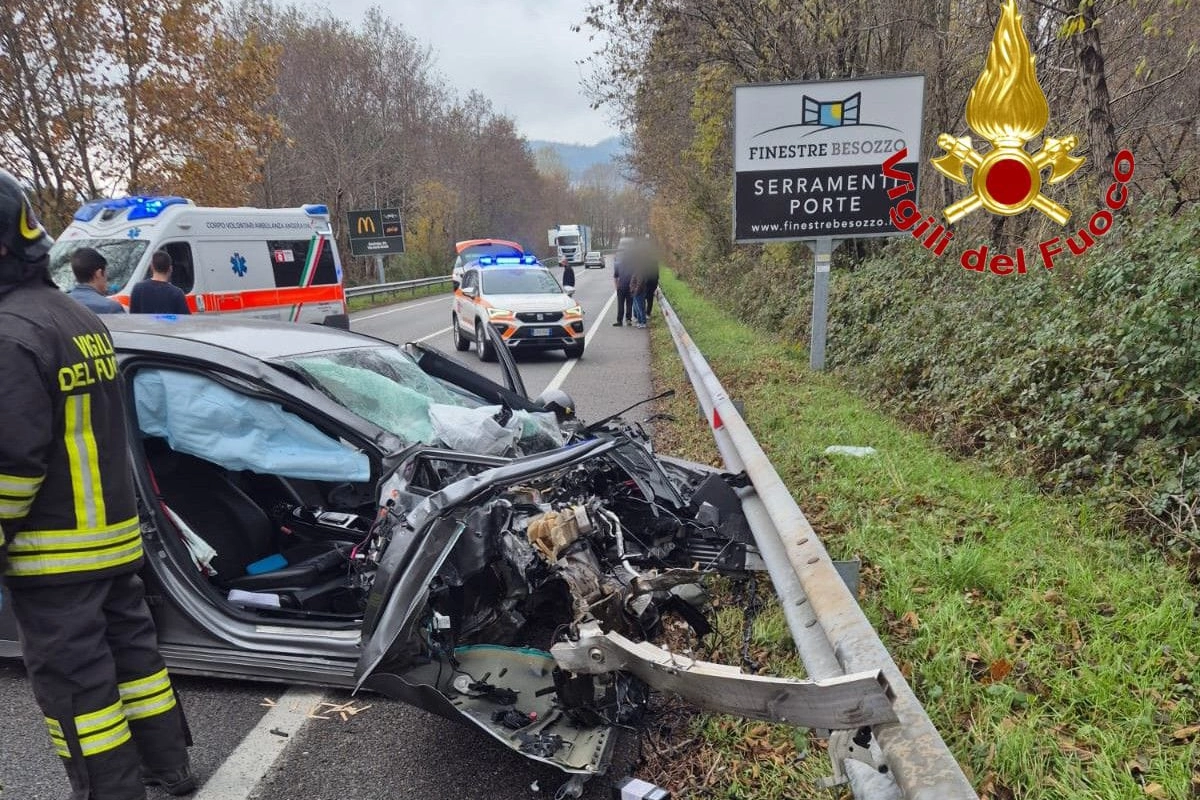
(324, 507)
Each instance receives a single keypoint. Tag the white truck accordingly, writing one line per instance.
(571, 242)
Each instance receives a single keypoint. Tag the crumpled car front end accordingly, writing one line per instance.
(523, 598)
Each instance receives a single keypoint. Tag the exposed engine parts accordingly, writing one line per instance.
(538, 559)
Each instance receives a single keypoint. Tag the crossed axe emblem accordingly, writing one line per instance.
(1007, 180)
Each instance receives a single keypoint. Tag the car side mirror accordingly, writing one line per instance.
(570, 290)
(469, 291)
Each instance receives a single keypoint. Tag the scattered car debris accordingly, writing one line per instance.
(344, 710)
(847, 450)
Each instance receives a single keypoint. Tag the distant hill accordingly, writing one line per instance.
(578, 157)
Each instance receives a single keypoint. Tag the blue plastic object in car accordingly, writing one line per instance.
(268, 564)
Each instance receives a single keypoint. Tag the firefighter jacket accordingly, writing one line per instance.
(67, 505)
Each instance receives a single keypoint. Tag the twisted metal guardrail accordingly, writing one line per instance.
(907, 759)
(396, 286)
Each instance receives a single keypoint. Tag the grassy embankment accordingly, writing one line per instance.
(1058, 656)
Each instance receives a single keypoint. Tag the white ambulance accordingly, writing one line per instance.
(273, 263)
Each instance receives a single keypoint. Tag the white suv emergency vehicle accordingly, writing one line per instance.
(271, 263)
(522, 301)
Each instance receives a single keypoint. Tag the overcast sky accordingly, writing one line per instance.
(519, 53)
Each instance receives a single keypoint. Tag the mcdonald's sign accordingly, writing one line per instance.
(375, 232)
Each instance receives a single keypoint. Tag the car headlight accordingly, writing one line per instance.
(498, 312)
(574, 311)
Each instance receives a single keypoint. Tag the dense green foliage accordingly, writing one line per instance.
(1090, 376)
(1057, 658)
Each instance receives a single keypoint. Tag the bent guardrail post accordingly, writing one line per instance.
(914, 751)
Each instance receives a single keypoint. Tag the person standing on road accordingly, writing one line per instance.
(69, 520)
(568, 275)
(622, 277)
(651, 280)
(156, 294)
(637, 285)
(91, 282)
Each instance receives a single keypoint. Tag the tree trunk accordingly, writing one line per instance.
(1101, 134)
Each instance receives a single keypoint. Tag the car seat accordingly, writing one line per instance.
(204, 495)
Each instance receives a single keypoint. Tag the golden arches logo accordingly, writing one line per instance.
(366, 225)
(1007, 107)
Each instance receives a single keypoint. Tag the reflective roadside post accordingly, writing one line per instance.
(822, 257)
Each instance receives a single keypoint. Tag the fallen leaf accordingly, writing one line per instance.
(997, 671)
(1184, 734)
(1155, 790)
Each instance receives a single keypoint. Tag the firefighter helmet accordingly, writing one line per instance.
(20, 231)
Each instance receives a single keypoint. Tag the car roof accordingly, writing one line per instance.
(258, 338)
(463, 245)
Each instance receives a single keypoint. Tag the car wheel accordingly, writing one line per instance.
(460, 342)
(575, 350)
(483, 348)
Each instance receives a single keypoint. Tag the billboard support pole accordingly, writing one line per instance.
(379, 268)
(822, 256)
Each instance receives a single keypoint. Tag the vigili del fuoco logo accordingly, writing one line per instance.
(1007, 108)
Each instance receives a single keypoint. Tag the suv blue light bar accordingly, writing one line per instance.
(491, 261)
(140, 207)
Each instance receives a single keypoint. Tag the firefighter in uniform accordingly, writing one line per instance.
(70, 520)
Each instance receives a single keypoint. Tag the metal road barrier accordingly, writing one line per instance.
(832, 635)
(398, 286)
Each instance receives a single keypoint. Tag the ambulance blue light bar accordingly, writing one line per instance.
(316, 209)
(491, 261)
(140, 207)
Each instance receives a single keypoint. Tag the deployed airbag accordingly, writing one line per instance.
(477, 430)
(200, 417)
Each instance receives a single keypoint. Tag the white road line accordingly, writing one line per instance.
(404, 307)
(589, 337)
(262, 747)
(435, 333)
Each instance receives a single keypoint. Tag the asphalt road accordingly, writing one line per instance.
(389, 750)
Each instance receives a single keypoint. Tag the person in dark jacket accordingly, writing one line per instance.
(650, 285)
(91, 282)
(623, 270)
(69, 517)
(568, 275)
(156, 294)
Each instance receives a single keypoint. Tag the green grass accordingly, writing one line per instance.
(377, 300)
(1057, 656)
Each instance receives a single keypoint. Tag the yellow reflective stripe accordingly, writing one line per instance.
(160, 703)
(78, 417)
(84, 538)
(107, 740)
(144, 686)
(23, 565)
(96, 493)
(54, 726)
(97, 720)
(60, 746)
(14, 508)
(103, 730)
(147, 696)
(19, 485)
